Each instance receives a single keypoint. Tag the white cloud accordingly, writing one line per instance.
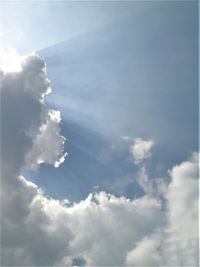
(176, 242)
(141, 150)
(183, 200)
(146, 253)
(97, 223)
(48, 144)
(100, 230)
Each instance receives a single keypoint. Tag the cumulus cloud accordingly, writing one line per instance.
(141, 150)
(23, 115)
(90, 228)
(176, 242)
(48, 144)
(102, 229)
(182, 211)
(146, 253)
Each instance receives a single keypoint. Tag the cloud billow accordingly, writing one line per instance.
(100, 230)
(141, 150)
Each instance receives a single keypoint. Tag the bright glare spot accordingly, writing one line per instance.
(61, 160)
(10, 61)
(55, 115)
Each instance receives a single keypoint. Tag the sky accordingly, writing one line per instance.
(99, 133)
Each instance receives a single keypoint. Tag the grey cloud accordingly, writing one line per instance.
(23, 112)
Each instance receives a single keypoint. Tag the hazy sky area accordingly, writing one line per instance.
(117, 137)
(37, 25)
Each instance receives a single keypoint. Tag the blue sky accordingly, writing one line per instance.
(135, 75)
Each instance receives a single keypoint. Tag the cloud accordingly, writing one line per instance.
(182, 204)
(145, 253)
(100, 230)
(176, 242)
(23, 114)
(92, 235)
(141, 150)
(48, 144)
(143, 180)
